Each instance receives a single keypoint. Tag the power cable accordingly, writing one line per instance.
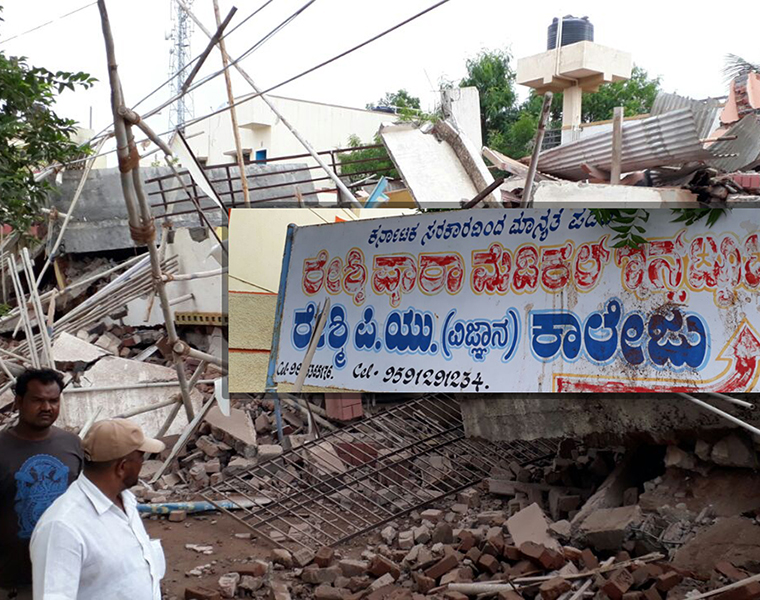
(23, 33)
(295, 77)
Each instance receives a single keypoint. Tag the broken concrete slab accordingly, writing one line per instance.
(607, 528)
(119, 374)
(531, 525)
(237, 430)
(735, 451)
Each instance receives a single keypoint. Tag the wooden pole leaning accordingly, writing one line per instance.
(233, 111)
(140, 219)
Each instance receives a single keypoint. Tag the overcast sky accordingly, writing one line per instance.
(683, 42)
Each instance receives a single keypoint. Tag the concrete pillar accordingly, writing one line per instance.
(571, 113)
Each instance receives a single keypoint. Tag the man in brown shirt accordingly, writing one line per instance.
(38, 462)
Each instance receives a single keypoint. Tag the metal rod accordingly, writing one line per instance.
(527, 197)
(732, 400)
(127, 386)
(151, 407)
(491, 187)
(180, 299)
(217, 37)
(183, 349)
(190, 276)
(721, 413)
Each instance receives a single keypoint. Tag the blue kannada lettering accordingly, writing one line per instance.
(335, 333)
(559, 333)
(479, 336)
(410, 331)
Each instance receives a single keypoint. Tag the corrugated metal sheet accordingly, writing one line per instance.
(705, 111)
(667, 139)
(745, 148)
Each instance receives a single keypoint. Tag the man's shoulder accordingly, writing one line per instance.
(71, 501)
(62, 434)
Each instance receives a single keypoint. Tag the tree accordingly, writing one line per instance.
(399, 99)
(32, 135)
(373, 160)
(491, 73)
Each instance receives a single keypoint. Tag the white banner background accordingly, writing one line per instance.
(534, 301)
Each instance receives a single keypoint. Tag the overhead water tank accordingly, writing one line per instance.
(574, 30)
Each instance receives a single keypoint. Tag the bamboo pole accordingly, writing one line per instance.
(72, 206)
(24, 313)
(342, 189)
(140, 219)
(39, 314)
(617, 145)
(191, 276)
(527, 197)
(233, 110)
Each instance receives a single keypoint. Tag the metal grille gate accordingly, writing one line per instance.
(367, 474)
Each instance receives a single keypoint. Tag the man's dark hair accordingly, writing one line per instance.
(41, 375)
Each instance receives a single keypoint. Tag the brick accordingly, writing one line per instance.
(509, 595)
(424, 584)
(467, 541)
(572, 553)
(200, 593)
(728, 570)
(385, 580)
(652, 594)
(318, 575)
(380, 565)
(303, 557)
(327, 592)
(473, 554)
(279, 591)
(618, 584)
(512, 553)
(460, 575)
(432, 514)
(633, 596)
(177, 516)
(589, 560)
(228, 583)
(554, 588)
(748, 591)
(488, 562)
(451, 595)
(324, 556)
(643, 575)
(353, 568)
(258, 568)
(546, 557)
(521, 568)
(667, 581)
(442, 567)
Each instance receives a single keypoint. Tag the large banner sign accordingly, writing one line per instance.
(524, 300)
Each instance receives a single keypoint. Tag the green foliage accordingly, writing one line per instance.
(32, 135)
(635, 95)
(629, 224)
(375, 160)
(491, 73)
(399, 99)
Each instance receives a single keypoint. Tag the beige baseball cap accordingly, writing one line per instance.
(115, 438)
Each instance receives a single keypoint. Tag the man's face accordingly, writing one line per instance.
(132, 465)
(40, 405)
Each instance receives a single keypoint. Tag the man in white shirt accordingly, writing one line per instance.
(91, 543)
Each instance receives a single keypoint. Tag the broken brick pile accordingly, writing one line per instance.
(542, 546)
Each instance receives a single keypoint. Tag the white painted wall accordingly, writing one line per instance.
(465, 108)
(324, 126)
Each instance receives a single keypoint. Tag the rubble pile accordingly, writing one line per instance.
(582, 524)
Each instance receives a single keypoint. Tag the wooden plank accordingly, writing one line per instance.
(617, 145)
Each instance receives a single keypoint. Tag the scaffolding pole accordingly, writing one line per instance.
(141, 223)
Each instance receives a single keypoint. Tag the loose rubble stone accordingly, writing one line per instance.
(487, 562)
(433, 515)
(200, 593)
(386, 579)
(406, 540)
(250, 584)
(269, 451)
(531, 525)
(667, 581)
(303, 557)
(443, 534)
(228, 584)
(735, 451)
(607, 528)
(327, 592)
(675, 457)
(618, 584)
(279, 591)
(352, 568)
(424, 583)
(389, 535)
(209, 446)
(421, 534)
(380, 565)
(257, 568)
(282, 557)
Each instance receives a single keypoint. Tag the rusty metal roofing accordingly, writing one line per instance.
(705, 111)
(671, 138)
(736, 154)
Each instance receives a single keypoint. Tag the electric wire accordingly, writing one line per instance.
(278, 85)
(23, 33)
